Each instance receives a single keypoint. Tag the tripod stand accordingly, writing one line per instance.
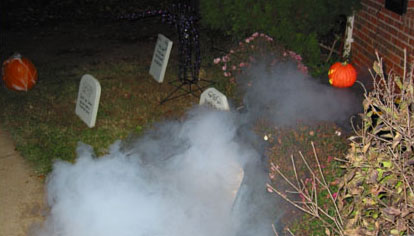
(185, 20)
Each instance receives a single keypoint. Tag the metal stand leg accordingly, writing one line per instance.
(186, 90)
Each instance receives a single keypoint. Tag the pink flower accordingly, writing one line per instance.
(330, 158)
(269, 188)
(273, 167)
(334, 195)
(247, 40)
(303, 68)
(227, 74)
(242, 64)
(224, 67)
(233, 67)
(231, 51)
(255, 34)
(225, 58)
(217, 60)
(302, 197)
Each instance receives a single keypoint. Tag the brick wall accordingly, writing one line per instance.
(376, 27)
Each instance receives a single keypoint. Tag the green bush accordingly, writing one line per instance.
(297, 24)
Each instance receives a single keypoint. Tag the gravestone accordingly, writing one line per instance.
(214, 98)
(88, 100)
(235, 183)
(160, 58)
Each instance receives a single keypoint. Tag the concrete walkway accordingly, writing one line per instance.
(21, 191)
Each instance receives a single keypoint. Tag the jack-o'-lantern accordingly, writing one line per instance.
(19, 73)
(342, 75)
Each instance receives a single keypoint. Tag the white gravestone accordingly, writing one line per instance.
(160, 58)
(217, 100)
(214, 98)
(88, 99)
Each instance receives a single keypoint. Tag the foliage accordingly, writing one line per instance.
(311, 191)
(377, 196)
(297, 24)
(258, 47)
(291, 145)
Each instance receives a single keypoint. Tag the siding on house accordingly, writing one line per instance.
(377, 28)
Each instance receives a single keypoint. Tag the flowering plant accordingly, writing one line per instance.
(257, 47)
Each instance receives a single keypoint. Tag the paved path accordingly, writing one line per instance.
(21, 191)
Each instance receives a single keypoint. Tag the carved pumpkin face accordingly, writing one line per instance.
(342, 75)
(19, 73)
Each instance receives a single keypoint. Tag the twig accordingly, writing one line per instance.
(290, 201)
(326, 185)
(331, 49)
(274, 230)
(309, 202)
(290, 232)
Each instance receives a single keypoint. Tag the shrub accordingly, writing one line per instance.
(377, 196)
(256, 48)
(297, 24)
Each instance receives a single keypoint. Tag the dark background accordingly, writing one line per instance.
(17, 13)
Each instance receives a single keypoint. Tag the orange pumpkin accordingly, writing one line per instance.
(19, 73)
(342, 75)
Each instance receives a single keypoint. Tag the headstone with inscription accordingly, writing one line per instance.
(160, 58)
(88, 99)
(214, 98)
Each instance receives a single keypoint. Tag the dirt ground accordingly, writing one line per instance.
(21, 191)
(60, 46)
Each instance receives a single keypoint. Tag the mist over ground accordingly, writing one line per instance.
(184, 177)
(286, 96)
(178, 179)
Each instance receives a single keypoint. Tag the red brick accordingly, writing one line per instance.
(407, 30)
(401, 44)
(378, 28)
(398, 70)
(395, 16)
(381, 16)
(395, 59)
(384, 34)
(402, 36)
(391, 29)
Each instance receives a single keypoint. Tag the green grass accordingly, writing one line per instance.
(44, 124)
(287, 142)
